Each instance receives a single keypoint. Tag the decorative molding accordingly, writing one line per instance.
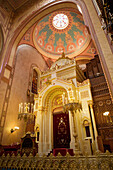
(8, 67)
(6, 80)
(84, 94)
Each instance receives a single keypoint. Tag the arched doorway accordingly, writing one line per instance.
(53, 122)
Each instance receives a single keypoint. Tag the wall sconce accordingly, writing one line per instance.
(14, 129)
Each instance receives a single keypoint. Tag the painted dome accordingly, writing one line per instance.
(61, 31)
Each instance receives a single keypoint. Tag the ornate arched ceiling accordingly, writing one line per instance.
(61, 30)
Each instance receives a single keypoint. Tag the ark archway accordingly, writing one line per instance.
(51, 104)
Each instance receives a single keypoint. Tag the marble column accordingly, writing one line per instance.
(72, 142)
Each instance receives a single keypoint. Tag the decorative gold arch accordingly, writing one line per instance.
(51, 95)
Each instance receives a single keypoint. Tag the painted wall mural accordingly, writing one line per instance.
(61, 31)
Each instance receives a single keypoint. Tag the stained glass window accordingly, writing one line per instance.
(34, 82)
(60, 21)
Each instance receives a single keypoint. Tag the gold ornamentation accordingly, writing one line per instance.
(108, 102)
(48, 82)
(95, 162)
(100, 103)
(84, 94)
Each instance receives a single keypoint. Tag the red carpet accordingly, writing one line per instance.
(63, 151)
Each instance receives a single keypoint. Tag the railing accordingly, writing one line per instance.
(99, 161)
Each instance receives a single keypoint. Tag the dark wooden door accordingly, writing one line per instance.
(61, 130)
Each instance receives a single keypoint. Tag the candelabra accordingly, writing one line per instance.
(26, 112)
(73, 107)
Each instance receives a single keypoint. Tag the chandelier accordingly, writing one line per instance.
(26, 112)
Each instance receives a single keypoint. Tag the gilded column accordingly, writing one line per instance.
(93, 123)
(72, 142)
(40, 122)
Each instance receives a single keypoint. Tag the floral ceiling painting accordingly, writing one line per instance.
(61, 31)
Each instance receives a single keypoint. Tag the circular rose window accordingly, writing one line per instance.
(60, 21)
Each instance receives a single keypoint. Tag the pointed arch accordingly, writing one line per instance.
(34, 79)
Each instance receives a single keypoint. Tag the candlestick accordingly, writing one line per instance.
(31, 107)
(21, 107)
(25, 107)
(28, 107)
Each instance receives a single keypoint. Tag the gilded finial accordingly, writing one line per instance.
(63, 55)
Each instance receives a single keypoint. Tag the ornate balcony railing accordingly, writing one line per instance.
(97, 161)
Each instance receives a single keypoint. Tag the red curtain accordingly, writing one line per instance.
(61, 130)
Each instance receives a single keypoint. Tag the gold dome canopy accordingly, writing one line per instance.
(61, 61)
